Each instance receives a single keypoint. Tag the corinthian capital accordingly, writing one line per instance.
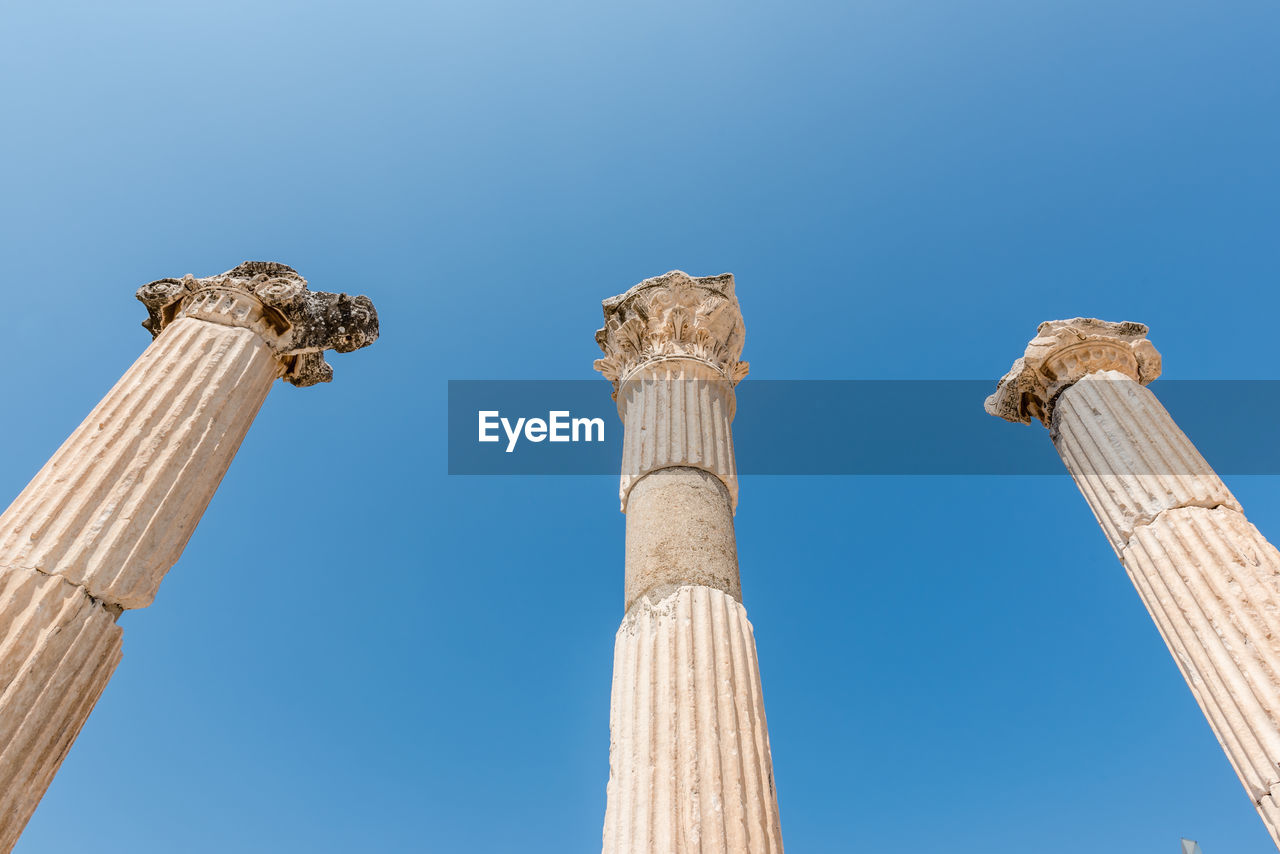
(273, 300)
(674, 316)
(1064, 351)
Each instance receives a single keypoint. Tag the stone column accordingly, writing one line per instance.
(98, 527)
(1210, 581)
(689, 762)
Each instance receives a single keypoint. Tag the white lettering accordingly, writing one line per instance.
(512, 435)
(559, 425)
(486, 425)
(586, 424)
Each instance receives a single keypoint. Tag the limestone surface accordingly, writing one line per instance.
(1128, 456)
(1208, 578)
(58, 648)
(1064, 351)
(689, 762)
(114, 507)
(298, 323)
(674, 315)
(680, 532)
(1212, 584)
(673, 347)
(99, 526)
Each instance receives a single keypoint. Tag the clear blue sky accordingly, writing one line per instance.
(360, 653)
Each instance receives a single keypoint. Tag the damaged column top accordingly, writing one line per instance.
(673, 316)
(1065, 351)
(673, 352)
(273, 300)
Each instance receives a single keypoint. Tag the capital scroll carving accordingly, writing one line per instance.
(273, 300)
(1065, 351)
(673, 316)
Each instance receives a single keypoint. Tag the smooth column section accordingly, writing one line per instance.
(1209, 579)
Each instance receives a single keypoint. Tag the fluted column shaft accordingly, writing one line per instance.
(677, 412)
(99, 526)
(115, 505)
(690, 768)
(101, 523)
(1209, 579)
(58, 649)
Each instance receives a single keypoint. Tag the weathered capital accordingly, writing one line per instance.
(273, 300)
(1064, 351)
(674, 316)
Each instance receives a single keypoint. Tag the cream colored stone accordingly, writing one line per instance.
(680, 531)
(1270, 813)
(58, 648)
(673, 347)
(1210, 581)
(1128, 456)
(677, 415)
(114, 507)
(690, 768)
(1212, 585)
(104, 520)
(1064, 351)
(689, 763)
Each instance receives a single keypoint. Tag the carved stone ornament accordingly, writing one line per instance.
(274, 301)
(673, 316)
(1064, 351)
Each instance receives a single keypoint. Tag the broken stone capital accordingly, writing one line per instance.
(1065, 351)
(672, 349)
(674, 316)
(272, 300)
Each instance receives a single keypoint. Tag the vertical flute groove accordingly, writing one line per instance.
(1128, 456)
(1207, 577)
(1210, 581)
(117, 503)
(677, 416)
(1214, 567)
(687, 710)
(57, 652)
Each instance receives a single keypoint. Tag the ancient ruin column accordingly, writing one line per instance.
(98, 527)
(1210, 581)
(689, 763)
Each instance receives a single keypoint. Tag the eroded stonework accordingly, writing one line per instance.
(690, 770)
(1063, 352)
(673, 348)
(674, 315)
(97, 529)
(1205, 574)
(273, 300)
(690, 767)
(114, 506)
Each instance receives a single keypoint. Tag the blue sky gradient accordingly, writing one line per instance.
(361, 653)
